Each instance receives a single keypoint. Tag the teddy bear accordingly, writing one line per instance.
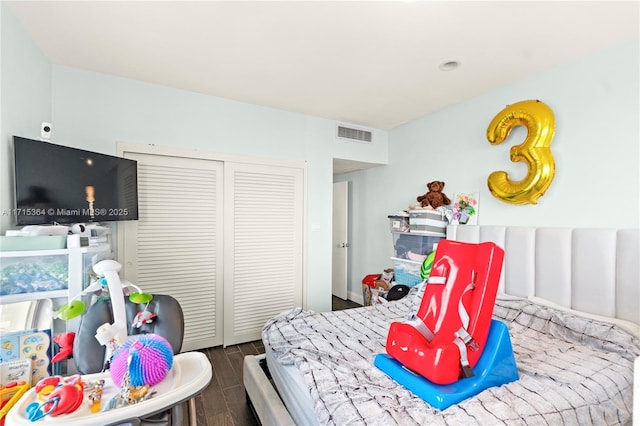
(435, 197)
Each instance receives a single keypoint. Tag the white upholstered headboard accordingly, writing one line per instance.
(596, 271)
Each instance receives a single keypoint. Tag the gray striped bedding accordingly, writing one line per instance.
(573, 371)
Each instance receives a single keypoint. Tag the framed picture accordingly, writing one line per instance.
(465, 208)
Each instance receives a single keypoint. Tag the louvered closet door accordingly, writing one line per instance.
(176, 245)
(263, 246)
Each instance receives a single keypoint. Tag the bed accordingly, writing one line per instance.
(569, 296)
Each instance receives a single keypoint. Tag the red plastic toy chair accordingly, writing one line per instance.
(445, 339)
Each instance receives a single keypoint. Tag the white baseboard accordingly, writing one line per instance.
(356, 297)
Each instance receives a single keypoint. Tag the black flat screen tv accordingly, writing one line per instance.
(60, 184)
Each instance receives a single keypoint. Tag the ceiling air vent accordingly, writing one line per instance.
(353, 134)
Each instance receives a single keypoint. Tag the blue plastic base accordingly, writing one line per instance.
(495, 367)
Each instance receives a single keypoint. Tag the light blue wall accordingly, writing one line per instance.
(596, 145)
(93, 111)
(25, 86)
(596, 149)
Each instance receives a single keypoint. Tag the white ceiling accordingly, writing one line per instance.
(362, 62)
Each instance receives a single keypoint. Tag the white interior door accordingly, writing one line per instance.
(175, 247)
(340, 242)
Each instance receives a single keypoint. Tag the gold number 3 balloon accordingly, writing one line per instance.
(540, 123)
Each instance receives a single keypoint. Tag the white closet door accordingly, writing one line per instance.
(175, 247)
(263, 246)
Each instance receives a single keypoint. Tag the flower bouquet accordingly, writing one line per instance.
(465, 208)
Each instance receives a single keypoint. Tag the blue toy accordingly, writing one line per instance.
(496, 366)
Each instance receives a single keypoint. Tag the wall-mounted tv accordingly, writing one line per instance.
(60, 184)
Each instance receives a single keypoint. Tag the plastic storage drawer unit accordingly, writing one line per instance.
(414, 246)
(398, 223)
(406, 271)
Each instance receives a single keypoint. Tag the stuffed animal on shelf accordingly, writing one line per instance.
(435, 197)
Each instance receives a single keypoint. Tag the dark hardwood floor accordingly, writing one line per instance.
(223, 402)
(338, 304)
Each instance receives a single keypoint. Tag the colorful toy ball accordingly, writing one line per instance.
(147, 358)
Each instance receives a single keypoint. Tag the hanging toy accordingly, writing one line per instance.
(139, 297)
(76, 307)
(70, 310)
(144, 317)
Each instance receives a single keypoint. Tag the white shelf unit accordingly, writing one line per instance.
(79, 263)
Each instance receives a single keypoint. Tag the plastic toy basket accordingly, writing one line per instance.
(406, 272)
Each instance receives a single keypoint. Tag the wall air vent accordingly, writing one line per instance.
(353, 134)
